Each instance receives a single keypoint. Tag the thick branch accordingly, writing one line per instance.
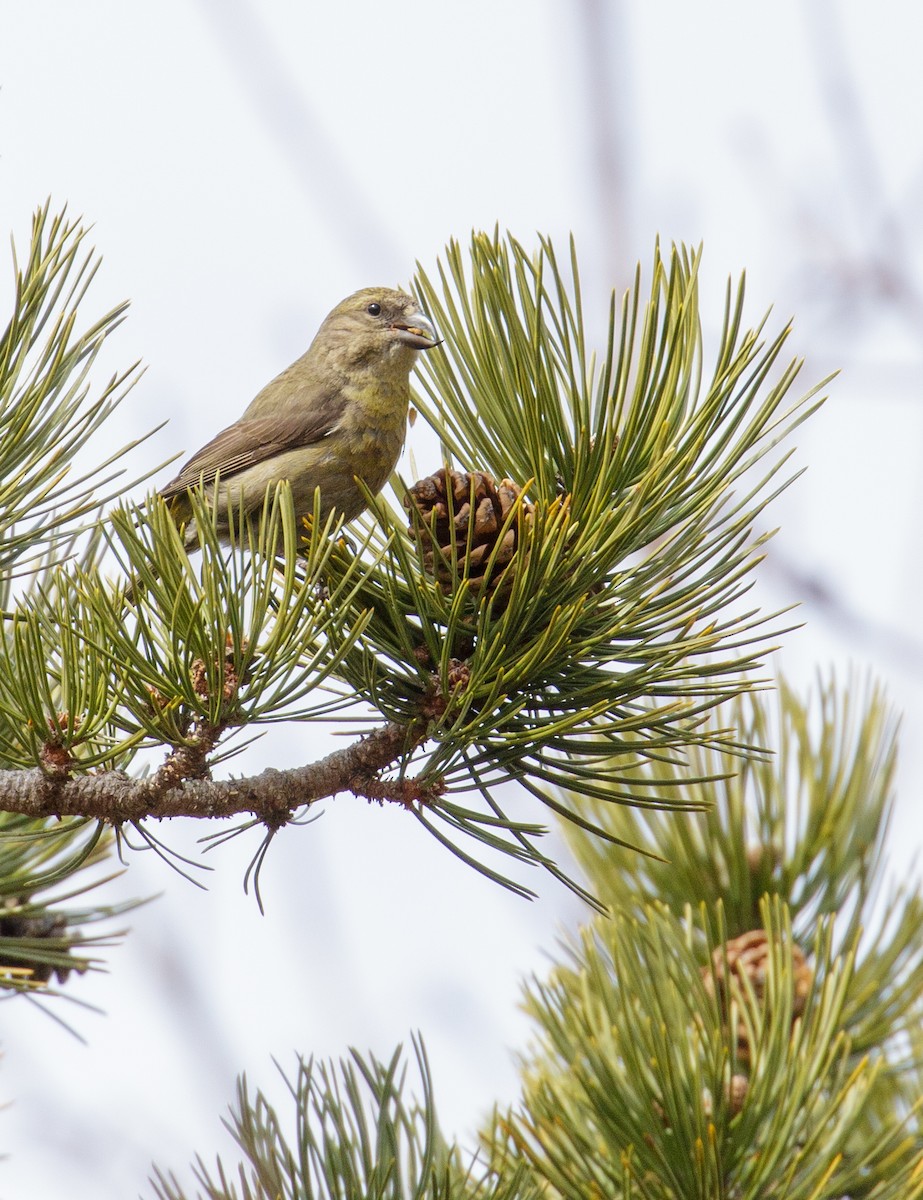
(271, 796)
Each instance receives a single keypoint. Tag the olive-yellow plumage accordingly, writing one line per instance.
(337, 415)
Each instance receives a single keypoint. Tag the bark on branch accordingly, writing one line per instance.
(272, 796)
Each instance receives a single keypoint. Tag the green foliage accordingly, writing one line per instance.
(620, 623)
(647, 1082)
(657, 1072)
(39, 938)
(46, 413)
(230, 643)
(354, 1135)
(239, 640)
(636, 1090)
(51, 490)
(609, 674)
(805, 824)
(606, 667)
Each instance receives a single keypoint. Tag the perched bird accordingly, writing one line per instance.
(337, 415)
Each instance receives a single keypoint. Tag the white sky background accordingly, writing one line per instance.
(248, 164)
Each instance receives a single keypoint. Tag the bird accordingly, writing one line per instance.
(333, 421)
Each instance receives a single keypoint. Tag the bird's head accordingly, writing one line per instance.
(376, 322)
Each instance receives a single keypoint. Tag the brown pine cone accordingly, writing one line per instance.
(747, 957)
(463, 505)
(17, 924)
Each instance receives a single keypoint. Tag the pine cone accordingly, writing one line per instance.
(747, 957)
(17, 924)
(736, 1093)
(450, 508)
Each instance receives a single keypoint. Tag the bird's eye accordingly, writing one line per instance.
(374, 309)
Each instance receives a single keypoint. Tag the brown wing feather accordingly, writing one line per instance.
(250, 441)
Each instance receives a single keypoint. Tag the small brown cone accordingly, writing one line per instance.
(736, 1093)
(459, 516)
(747, 957)
(16, 924)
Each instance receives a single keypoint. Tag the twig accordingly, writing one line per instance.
(272, 796)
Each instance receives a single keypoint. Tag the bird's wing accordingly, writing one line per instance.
(252, 440)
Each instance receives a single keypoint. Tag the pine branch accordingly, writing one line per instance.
(594, 608)
(659, 1072)
(181, 787)
(48, 412)
(350, 1131)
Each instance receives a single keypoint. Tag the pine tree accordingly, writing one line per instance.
(560, 604)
